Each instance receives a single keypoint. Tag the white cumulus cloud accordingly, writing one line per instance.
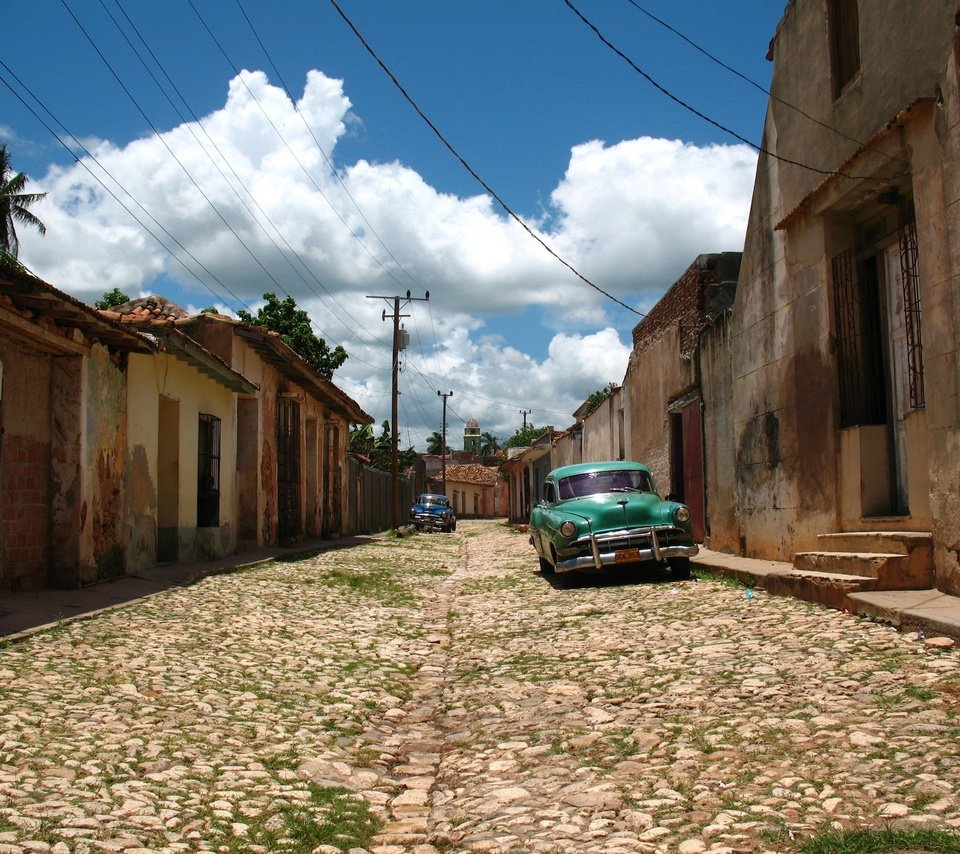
(247, 201)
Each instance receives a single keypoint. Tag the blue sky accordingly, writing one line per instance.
(621, 181)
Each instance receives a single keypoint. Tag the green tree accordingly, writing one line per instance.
(112, 298)
(295, 330)
(435, 443)
(600, 395)
(362, 440)
(14, 206)
(489, 444)
(525, 436)
(379, 449)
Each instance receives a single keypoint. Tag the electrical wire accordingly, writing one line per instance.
(198, 124)
(293, 154)
(107, 189)
(513, 215)
(333, 170)
(739, 74)
(704, 116)
(163, 141)
(186, 172)
(750, 81)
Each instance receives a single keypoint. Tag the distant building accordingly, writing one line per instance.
(471, 437)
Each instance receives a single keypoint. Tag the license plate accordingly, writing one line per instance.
(627, 556)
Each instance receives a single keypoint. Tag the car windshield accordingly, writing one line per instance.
(596, 482)
(433, 500)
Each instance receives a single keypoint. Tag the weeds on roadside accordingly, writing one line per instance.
(892, 839)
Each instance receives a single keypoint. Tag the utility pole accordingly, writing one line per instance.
(399, 343)
(525, 413)
(443, 439)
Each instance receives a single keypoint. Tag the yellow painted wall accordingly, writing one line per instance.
(165, 376)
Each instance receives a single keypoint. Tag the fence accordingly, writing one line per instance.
(370, 494)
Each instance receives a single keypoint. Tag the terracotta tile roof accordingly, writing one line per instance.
(149, 310)
(275, 351)
(156, 318)
(40, 305)
(473, 473)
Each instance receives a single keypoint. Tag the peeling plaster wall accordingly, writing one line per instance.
(720, 474)
(102, 519)
(258, 459)
(164, 376)
(790, 469)
(784, 395)
(143, 414)
(601, 431)
(654, 377)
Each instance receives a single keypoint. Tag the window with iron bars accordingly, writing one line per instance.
(208, 472)
(860, 330)
(844, 23)
(910, 279)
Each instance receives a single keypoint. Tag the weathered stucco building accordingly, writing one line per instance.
(63, 436)
(832, 401)
(475, 491)
(662, 392)
(182, 490)
(293, 435)
(125, 442)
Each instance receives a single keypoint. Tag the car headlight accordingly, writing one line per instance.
(681, 514)
(568, 529)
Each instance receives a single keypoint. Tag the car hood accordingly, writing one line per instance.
(435, 509)
(614, 510)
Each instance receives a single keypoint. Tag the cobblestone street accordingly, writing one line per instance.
(436, 694)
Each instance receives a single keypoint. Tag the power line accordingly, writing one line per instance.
(739, 74)
(216, 165)
(288, 147)
(116, 198)
(750, 81)
(702, 115)
(163, 141)
(471, 170)
(306, 124)
(187, 173)
(229, 165)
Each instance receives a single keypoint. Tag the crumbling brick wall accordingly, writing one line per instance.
(24, 512)
(701, 293)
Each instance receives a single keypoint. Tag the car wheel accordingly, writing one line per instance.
(453, 526)
(680, 568)
(546, 567)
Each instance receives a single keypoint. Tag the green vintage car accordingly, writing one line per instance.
(594, 516)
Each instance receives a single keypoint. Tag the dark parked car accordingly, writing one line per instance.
(433, 512)
(595, 516)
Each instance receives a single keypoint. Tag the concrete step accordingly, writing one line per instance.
(831, 589)
(882, 542)
(913, 571)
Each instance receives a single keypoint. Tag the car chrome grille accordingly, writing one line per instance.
(633, 538)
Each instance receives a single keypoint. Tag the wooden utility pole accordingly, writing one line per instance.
(443, 439)
(525, 413)
(398, 345)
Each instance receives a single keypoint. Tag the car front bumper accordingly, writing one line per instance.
(621, 548)
(429, 520)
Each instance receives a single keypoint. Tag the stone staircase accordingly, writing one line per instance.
(857, 561)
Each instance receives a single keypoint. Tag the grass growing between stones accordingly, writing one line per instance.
(377, 585)
(330, 816)
(914, 840)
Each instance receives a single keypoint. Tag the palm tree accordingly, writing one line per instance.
(489, 445)
(434, 443)
(14, 204)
